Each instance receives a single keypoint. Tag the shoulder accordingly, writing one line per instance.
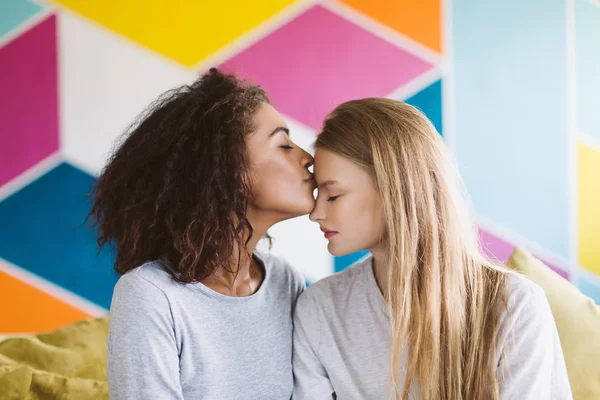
(148, 280)
(531, 362)
(524, 296)
(143, 297)
(528, 312)
(325, 293)
(282, 273)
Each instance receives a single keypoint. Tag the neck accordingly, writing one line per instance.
(380, 267)
(242, 267)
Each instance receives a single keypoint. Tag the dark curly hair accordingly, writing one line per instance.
(177, 185)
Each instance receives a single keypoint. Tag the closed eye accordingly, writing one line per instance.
(333, 198)
(287, 147)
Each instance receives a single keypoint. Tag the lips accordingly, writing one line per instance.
(311, 181)
(328, 233)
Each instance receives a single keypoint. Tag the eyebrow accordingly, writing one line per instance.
(280, 129)
(327, 183)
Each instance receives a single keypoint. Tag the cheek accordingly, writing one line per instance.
(279, 171)
(377, 219)
(378, 225)
(278, 183)
(359, 219)
(368, 222)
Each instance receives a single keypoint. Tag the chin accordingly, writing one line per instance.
(306, 206)
(336, 251)
(297, 210)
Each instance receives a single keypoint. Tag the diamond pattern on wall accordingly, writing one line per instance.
(42, 231)
(320, 60)
(26, 308)
(29, 101)
(589, 207)
(73, 81)
(419, 20)
(186, 31)
(95, 65)
(500, 250)
(429, 100)
(16, 12)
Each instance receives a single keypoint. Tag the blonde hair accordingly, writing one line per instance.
(446, 298)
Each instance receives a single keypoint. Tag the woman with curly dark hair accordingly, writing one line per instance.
(197, 312)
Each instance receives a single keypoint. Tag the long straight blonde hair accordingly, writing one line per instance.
(446, 298)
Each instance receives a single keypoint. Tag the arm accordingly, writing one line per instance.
(533, 366)
(143, 358)
(310, 378)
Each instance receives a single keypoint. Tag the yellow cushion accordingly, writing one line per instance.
(577, 319)
(68, 363)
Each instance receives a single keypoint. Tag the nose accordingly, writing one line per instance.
(306, 159)
(317, 214)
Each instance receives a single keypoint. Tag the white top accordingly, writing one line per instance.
(169, 340)
(342, 342)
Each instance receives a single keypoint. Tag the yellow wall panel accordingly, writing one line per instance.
(589, 208)
(185, 30)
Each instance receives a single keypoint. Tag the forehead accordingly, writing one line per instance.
(266, 118)
(327, 162)
(331, 166)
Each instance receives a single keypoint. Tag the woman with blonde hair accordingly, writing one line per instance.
(426, 315)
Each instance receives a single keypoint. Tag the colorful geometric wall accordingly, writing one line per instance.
(519, 114)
